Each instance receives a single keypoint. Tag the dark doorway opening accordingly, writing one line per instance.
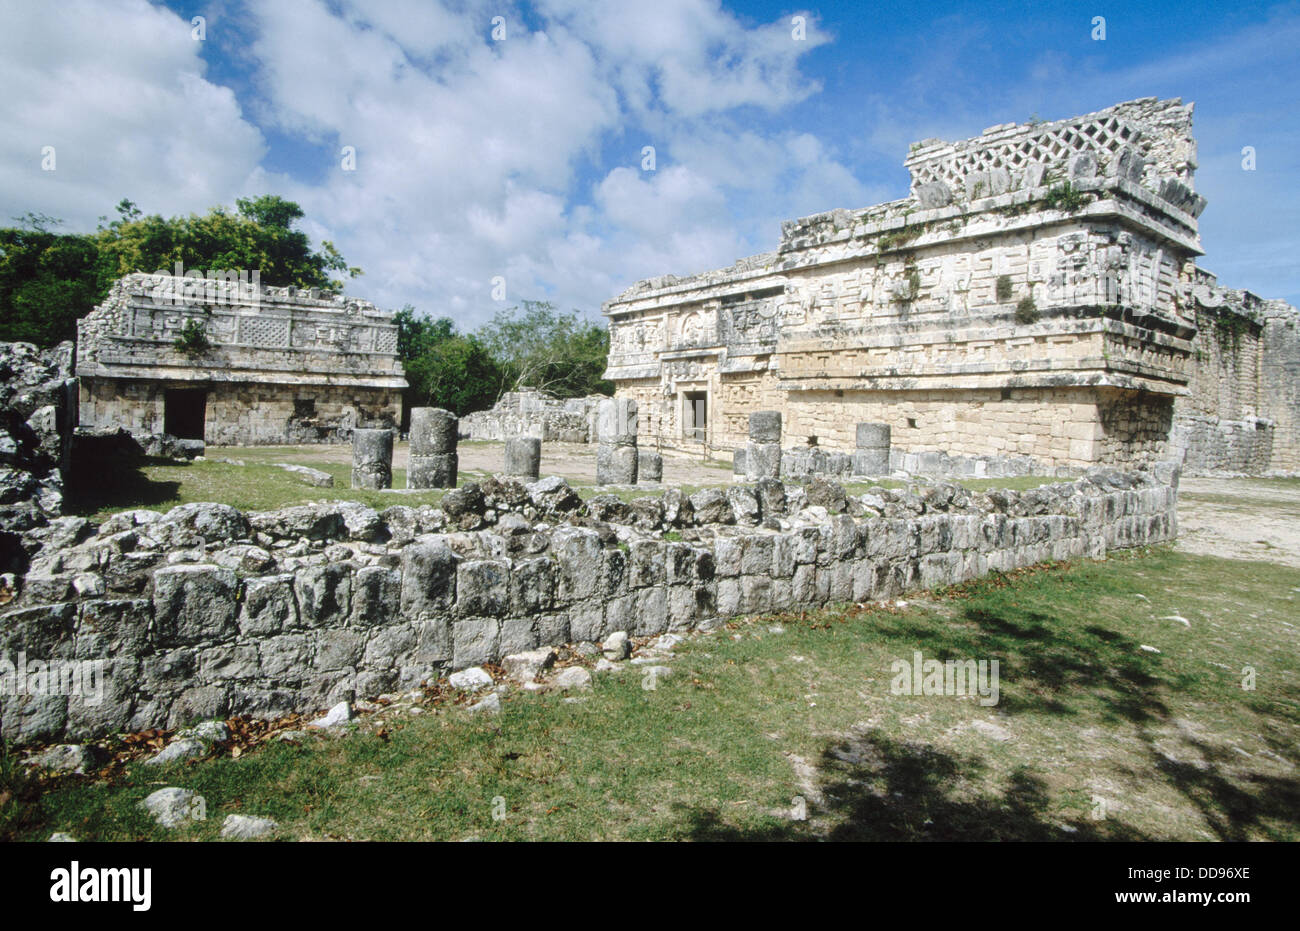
(695, 415)
(184, 412)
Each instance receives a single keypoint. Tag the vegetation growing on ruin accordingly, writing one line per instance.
(887, 242)
(799, 706)
(50, 279)
(1003, 288)
(193, 339)
(1229, 329)
(1065, 197)
(1026, 311)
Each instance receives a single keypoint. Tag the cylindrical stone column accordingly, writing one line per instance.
(524, 457)
(434, 434)
(872, 455)
(616, 454)
(372, 458)
(649, 466)
(763, 453)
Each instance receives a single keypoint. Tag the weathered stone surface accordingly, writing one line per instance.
(177, 751)
(649, 466)
(438, 471)
(527, 666)
(245, 827)
(765, 427)
(535, 413)
(572, 678)
(337, 716)
(62, 758)
(194, 603)
(523, 457)
(762, 461)
(470, 680)
(617, 646)
(308, 475)
(710, 506)
(174, 807)
(433, 431)
(617, 422)
(372, 458)
(212, 522)
(616, 465)
(553, 495)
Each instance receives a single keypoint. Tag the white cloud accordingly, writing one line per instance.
(474, 158)
(119, 92)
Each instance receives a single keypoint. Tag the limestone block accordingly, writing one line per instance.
(372, 459)
(1083, 166)
(434, 431)
(194, 603)
(617, 422)
(616, 465)
(428, 578)
(436, 471)
(933, 194)
(649, 466)
(523, 457)
(765, 427)
(762, 461)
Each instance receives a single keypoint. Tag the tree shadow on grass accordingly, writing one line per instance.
(95, 487)
(1045, 666)
(875, 788)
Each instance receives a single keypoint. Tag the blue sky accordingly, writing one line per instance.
(521, 158)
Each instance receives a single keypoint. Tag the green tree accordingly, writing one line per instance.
(48, 279)
(445, 368)
(536, 346)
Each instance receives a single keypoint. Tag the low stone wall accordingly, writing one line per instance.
(205, 611)
(804, 462)
(534, 414)
(1209, 445)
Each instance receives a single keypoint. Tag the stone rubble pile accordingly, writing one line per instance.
(38, 408)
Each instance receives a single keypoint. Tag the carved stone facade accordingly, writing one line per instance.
(273, 365)
(1031, 299)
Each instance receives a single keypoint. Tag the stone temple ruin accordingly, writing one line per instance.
(1033, 305)
(282, 365)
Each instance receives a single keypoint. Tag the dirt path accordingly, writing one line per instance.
(1241, 518)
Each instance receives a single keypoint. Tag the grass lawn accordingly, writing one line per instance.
(1093, 738)
(162, 484)
(257, 485)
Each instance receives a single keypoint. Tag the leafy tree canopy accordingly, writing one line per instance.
(528, 346)
(49, 279)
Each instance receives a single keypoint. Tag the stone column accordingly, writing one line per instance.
(434, 462)
(372, 458)
(524, 457)
(649, 466)
(763, 452)
(872, 455)
(616, 454)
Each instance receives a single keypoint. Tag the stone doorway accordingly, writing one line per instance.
(695, 415)
(185, 412)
